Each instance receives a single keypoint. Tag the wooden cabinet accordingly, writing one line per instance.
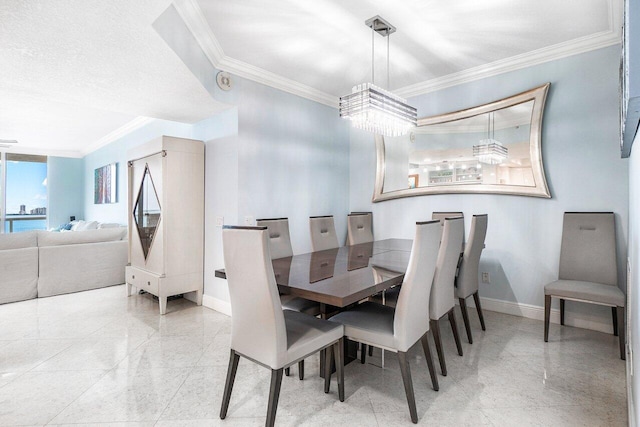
(166, 218)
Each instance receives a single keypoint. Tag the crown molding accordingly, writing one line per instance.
(192, 15)
(43, 152)
(112, 136)
(551, 53)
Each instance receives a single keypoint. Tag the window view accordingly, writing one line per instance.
(25, 193)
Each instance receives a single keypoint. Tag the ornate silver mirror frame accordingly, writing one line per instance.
(537, 188)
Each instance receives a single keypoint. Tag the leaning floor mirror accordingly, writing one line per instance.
(492, 148)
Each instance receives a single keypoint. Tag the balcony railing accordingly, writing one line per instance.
(16, 223)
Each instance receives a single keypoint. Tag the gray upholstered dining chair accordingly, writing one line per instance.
(279, 237)
(323, 233)
(588, 269)
(467, 280)
(442, 300)
(280, 247)
(441, 216)
(261, 330)
(398, 329)
(359, 228)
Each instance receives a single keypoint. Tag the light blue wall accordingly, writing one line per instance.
(65, 186)
(117, 152)
(580, 146)
(274, 155)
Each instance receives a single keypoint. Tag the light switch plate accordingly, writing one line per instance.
(248, 220)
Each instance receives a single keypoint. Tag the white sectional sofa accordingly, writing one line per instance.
(18, 266)
(39, 264)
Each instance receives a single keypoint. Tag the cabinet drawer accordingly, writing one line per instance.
(142, 280)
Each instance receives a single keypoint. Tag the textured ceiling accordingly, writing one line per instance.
(325, 44)
(73, 71)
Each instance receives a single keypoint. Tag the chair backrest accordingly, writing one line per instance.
(588, 250)
(411, 319)
(442, 290)
(441, 216)
(359, 228)
(323, 233)
(258, 329)
(467, 281)
(279, 237)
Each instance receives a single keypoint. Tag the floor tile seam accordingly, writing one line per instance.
(169, 401)
(51, 357)
(19, 374)
(106, 372)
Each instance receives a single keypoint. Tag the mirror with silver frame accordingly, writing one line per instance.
(491, 148)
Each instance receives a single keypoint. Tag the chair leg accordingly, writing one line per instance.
(562, 311)
(274, 394)
(228, 386)
(339, 356)
(287, 371)
(427, 355)
(408, 385)
(547, 315)
(301, 370)
(454, 328)
(621, 331)
(476, 299)
(435, 328)
(363, 353)
(614, 314)
(370, 350)
(465, 317)
(327, 368)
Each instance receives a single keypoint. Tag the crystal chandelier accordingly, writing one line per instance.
(372, 108)
(490, 150)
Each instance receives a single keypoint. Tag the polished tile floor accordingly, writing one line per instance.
(98, 358)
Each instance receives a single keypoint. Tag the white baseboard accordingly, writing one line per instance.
(216, 304)
(537, 312)
(507, 307)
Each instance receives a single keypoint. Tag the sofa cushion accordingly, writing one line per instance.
(26, 239)
(46, 238)
(109, 225)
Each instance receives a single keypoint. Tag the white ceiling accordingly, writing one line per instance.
(76, 71)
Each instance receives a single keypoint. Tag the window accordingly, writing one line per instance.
(23, 191)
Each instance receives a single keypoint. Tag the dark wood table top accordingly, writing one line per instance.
(345, 275)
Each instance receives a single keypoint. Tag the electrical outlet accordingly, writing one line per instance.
(219, 221)
(485, 277)
(248, 220)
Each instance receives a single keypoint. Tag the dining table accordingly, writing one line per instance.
(341, 277)
(337, 278)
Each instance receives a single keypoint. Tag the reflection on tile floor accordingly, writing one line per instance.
(100, 358)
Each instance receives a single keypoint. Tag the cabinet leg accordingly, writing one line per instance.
(199, 297)
(163, 304)
(129, 289)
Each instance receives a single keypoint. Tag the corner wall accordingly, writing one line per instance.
(65, 186)
(581, 154)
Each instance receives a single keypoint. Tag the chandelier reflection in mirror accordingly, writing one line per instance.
(372, 108)
(490, 150)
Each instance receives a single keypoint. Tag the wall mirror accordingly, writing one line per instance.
(491, 148)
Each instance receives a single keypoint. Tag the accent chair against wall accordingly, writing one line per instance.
(588, 269)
